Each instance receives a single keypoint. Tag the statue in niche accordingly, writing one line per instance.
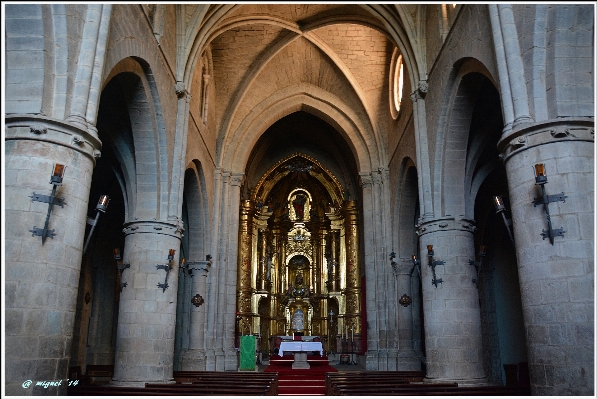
(299, 280)
(299, 206)
(298, 320)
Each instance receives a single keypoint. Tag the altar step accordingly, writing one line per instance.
(286, 360)
(305, 382)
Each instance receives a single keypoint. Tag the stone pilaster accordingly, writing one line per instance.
(453, 342)
(147, 314)
(194, 357)
(556, 281)
(406, 281)
(42, 279)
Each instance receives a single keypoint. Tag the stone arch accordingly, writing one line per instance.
(407, 204)
(453, 161)
(142, 151)
(195, 213)
(301, 97)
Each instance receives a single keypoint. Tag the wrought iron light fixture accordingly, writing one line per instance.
(500, 208)
(101, 207)
(541, 180)
(394, 264)
(167, 267)
(432, 264)
(121, 267)
(478, 265)
(55, 181)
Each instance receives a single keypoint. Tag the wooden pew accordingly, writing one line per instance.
(196, 383)
(98, 372)
(366, 376)
(187, 377)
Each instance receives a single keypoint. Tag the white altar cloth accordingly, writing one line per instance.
(300, 346)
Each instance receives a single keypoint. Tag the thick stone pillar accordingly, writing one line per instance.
(147, 315)
(194, 357)
(556, 281)
(453, 342)
(42, 279)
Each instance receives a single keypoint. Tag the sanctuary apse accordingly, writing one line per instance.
(298, 255)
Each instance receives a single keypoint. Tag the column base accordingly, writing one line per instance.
(138, 384)
(473, 382)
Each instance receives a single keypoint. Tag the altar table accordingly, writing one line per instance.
(300, 350)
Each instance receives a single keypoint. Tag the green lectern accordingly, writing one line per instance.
(247, 353)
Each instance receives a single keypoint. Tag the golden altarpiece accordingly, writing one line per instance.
(298, 270)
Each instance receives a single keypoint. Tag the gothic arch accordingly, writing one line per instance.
(406, 204)
(455, 153)
(307, 98)
(195, 213)
(139, 137)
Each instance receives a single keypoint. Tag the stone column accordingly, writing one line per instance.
(42, 279)
(451, 302)
(556, 281)
(194, 357)
(147, 315)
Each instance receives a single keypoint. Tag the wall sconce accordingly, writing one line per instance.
(432, 264)
(394, 264)
(416, 265)
(101, 207)
(405, 300)
(541, 180)
(55, 181)
(121, 267)
(197, 300)
(167, 268)
(500, 208)
(478, 265)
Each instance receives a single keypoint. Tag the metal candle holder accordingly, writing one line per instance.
(167, 268)
(541, 180)
(121, 267)
(101, 207)
(432, 264)
(55, 181)
(478, 265)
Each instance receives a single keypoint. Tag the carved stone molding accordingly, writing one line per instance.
(201, 266)
(365, 179)
(420, 92)
(153, 227)
(53, 131)
(38, 129)
(565, 129)
(445, 224)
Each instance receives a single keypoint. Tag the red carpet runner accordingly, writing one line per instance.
(300, 382)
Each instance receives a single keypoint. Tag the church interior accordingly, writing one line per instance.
(404, 190)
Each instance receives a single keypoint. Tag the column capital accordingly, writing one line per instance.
(552, 131)
(445, 224)
(171, 228)
(420, 92)
(199, 265)
(53, 131)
